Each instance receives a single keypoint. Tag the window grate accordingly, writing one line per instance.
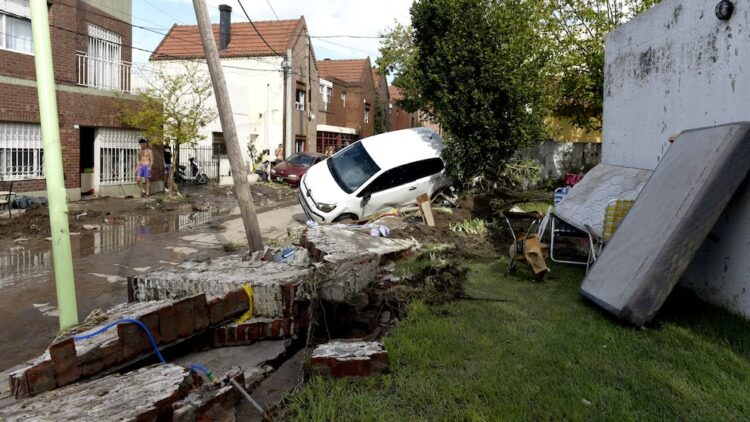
(21, 151)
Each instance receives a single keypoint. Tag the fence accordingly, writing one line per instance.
(204, 157)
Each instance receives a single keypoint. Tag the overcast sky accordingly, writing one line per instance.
(324, 17)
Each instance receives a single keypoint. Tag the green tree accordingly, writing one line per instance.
(173, 109)
(578, 28)
(398, 58)
(477, 67)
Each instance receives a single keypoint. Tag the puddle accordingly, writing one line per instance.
(32, 259)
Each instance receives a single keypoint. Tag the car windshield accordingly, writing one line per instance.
(299, 159)
(352, 167)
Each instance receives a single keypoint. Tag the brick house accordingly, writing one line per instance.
(348, 111)
(91, 55)
(384, 98)
(401, 119)
(271, 106)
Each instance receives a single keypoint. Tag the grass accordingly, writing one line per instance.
(545, 354)
(535, 206)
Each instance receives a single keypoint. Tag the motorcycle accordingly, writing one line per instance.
(197, 175)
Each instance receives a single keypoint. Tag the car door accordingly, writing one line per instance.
(392, 189)
(429, 176)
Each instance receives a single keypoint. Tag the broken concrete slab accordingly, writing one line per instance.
(672, 216)
(168, 322)
(272, 282)
(271, 391)
(253, 331)
(351, 258)
(251, 359)
(145, 394)
(210, 402)
(351, 359)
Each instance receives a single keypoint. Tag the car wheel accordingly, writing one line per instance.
(345, 218)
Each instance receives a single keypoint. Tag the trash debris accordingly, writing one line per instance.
(83, 214)
(351, 359)
(378, 231)
(90, 227)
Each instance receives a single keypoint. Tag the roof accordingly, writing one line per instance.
(348, 71)
(395, 93)
(410, 144)
(184, 41)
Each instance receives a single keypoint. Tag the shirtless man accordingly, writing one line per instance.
(143, 170)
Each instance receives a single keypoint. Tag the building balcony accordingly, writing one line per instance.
(105, 74)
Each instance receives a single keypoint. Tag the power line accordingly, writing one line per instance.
(274, 12)
(162, 11)
(344, 46)
(256, 29)
(373, 37)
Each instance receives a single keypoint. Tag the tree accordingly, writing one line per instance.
(477, 67)
(398, 59)
(173, 108)
(578, 28)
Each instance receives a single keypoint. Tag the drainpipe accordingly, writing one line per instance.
(288, 142)
(53, 166)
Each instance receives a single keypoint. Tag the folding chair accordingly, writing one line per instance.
(6, 196)
(614, 213)
(560, 228)
(519, 232)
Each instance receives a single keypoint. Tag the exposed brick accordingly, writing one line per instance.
(184, 317)
(168, 324)
(216, 313)
(41, 377)
(134, 340)
(63, 356)
(151, 320)
(200, 312)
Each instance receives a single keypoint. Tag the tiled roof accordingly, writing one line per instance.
(349, 71)
(183, 41)
(395, 93)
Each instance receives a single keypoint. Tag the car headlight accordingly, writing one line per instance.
(326, 207)
(273, 171)
(293, 176)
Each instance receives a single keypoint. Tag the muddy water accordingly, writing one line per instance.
(102, 259)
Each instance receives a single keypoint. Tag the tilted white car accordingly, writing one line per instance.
(374, 175)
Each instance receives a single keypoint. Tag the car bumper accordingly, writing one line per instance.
(309, 209)
(285, 179)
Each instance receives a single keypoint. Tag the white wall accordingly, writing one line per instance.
(673, 68)
(256, 91)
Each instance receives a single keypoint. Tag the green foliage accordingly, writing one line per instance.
(477, 68)
(174, 107)
(578, 28)
(380, 121)
(398, 58)
(521, 173)
(473, 226)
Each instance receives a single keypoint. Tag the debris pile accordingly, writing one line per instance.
(352, 359)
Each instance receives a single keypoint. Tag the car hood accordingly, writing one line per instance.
(289, 168)
(321, 185)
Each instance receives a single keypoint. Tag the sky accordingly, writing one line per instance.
(324, 17)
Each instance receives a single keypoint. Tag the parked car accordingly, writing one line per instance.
(373, 175)
(293, 168)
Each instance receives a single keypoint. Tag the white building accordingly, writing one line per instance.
(271, 107)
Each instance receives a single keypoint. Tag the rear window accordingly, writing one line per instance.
(351, 167)
(302, 160)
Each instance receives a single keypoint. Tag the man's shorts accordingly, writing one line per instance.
(167, 167)
(143, 171)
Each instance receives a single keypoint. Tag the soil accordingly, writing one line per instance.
(34, 223)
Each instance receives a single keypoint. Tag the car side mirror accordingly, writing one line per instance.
(366, 199)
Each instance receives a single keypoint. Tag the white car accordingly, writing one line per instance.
(373, 175)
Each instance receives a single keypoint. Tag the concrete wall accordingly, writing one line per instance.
(559, 158)
(673, 68)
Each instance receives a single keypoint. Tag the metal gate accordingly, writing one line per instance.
(204, 157)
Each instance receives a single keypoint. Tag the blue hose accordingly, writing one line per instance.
(210, 375)
(123, 321)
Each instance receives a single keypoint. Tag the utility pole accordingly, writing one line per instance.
(288, 142)
(239, 172)
(62, 257)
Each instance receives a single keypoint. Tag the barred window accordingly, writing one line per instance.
(118, 155)
(21, 151)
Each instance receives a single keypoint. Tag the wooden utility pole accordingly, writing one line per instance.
(239, 173)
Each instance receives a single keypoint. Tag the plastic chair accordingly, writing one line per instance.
(614, 213)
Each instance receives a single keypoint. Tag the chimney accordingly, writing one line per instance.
(225, 26)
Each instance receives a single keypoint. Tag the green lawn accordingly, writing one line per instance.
(545, 354)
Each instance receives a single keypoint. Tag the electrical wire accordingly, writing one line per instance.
(256, 28)
(273, 11)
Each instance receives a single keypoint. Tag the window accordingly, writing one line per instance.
(367, 114)
(404, 174)
(118, 155)
(104, 65)
(325, 94)
(302, 160)
(218, 144)
(352, 167)
(299, 143)
(343, 98)
(21, 152)
(15, 27)
(300, 100)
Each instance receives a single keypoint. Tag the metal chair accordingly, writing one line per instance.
(6, 196)
(614, 213)
(519, 232)
(560, 228)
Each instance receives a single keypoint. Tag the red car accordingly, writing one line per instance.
(293, 168)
